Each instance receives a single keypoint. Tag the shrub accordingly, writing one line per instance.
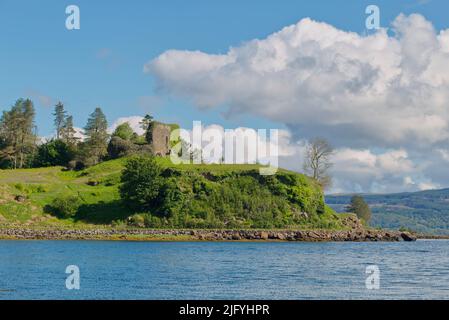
(119, 147)
(124, 132)
(137, 220)
(170, 198)
(41, 189)
(141, 183)
(19, 186)
(66, 207)
(53, 153)
(153, 221)
(71, 165)
(119, 224)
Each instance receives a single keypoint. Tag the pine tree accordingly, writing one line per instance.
(60, 115)
(18, 133)
(97, 136)
(147, 124)
(28, 132)
(68, 131)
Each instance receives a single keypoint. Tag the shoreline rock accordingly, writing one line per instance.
(356, 235)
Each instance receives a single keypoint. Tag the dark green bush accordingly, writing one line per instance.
(119, 147)
(141, 183)
(66, 207)
(53, 153)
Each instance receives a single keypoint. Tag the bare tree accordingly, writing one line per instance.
(318, 161)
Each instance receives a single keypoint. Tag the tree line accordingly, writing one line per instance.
(20, 146)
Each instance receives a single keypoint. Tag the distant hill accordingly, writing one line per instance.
(424, 211)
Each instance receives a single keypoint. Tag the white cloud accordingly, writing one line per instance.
(364, 93)
(316, 78)
(428, 186)
(363, 170)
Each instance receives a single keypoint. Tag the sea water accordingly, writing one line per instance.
(224, 270)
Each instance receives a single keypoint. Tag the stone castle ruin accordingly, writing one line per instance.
(160, 137)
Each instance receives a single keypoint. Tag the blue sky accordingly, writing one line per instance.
(102, 64)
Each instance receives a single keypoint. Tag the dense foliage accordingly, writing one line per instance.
(65, 207)
(141, 183)
(118, 148)
(53, 153)
(124, 132)
(232, 199)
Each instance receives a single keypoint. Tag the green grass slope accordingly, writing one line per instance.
(219, 196)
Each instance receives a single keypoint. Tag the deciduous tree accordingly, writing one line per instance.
(318, 161)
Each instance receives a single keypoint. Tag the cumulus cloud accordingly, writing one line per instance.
(387, 91)
(365, 171)
(316, 78)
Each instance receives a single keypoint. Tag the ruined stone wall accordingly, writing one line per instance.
(161, 140)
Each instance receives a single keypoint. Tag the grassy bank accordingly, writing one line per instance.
(233, 196)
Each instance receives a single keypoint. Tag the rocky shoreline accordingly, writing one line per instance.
(358, 235)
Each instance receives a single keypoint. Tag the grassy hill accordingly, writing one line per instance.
(425, 211)
(213, 196)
